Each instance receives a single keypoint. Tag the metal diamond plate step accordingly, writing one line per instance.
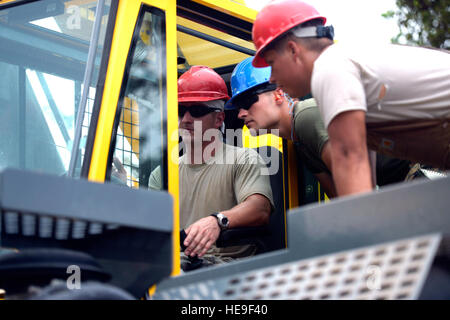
(394, 270)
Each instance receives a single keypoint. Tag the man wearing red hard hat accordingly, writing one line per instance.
(391, 99)
(221, 186)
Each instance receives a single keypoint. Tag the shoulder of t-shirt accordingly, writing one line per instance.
(243, 155)
(332, 58)
(306, 108)
(305, 104)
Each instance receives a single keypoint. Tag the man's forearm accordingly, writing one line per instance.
(349, 155)
(254, 211)
(351, 173)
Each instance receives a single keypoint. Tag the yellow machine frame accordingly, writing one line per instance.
(125, 23)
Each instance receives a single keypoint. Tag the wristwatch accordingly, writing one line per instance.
(222, 220)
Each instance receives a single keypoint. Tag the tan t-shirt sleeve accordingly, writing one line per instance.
(336, 85)
(250, 178)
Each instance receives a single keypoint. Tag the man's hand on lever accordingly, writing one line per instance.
(201, 235)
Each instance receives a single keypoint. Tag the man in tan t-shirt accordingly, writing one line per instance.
(214, 177)
(391, 99)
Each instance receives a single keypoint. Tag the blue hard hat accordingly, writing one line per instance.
(245, 77)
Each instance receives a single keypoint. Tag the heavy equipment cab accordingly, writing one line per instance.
(88, 95)
(89, 91)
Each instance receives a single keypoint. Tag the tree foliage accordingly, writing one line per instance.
(423, 22)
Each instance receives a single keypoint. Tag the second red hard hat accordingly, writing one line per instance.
(201, 83)
(276, 18)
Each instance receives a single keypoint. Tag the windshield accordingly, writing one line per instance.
(44, 49)
(140, 147)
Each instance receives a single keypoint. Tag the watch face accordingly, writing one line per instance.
(223, 221)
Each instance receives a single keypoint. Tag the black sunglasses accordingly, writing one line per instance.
(247, 99)
(195, 111)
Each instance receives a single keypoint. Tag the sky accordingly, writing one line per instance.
(353, 20)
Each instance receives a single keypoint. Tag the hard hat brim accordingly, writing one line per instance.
(200, 96)
(258, 61)
(230, 106)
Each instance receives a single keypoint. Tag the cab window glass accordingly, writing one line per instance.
(44, 49)
(140, 140)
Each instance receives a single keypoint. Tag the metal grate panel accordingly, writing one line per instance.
(127, 141)
(395, 270)
(35, 225)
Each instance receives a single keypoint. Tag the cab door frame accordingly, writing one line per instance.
(110, 87)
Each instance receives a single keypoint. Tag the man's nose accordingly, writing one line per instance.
(242, 113)
(272, 78)
(186, 118)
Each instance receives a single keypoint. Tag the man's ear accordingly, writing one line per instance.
(278, 95)
(220, 118)
(294, 50)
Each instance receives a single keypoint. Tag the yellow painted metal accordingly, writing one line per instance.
(326, 199)
(231, 7)
(172, 126)
(127, 14)
(7, 1)
(129, 124)
(198, 51)
(152, 290)
(269, 140)
(123, 32)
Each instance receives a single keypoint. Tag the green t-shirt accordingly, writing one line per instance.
(311, 134)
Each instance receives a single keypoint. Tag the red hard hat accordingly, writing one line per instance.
(275, 19)
(201, 83)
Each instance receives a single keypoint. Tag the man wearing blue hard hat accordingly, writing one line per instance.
(264, 106)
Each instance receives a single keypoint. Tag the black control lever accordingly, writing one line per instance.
(183, 236)
(194, 262)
